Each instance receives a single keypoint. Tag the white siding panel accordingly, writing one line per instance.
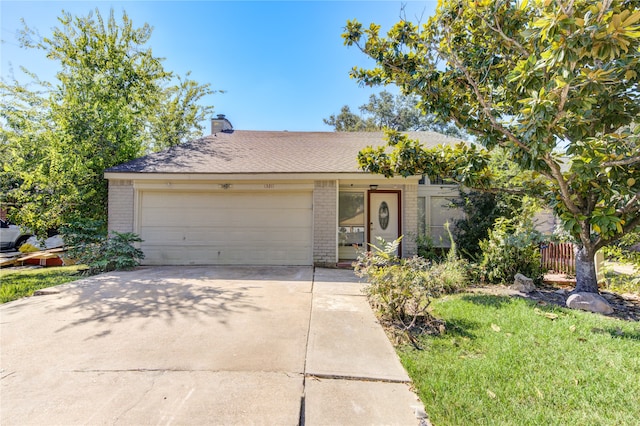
(197, 228)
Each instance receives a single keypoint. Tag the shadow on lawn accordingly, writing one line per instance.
(498, 301)
(458, 327)
(488, 300)
(617, 333)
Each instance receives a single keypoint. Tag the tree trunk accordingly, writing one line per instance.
(586, 279)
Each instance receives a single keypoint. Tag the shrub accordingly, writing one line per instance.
(481, 209)
(625, 250)
(426, 249)
(512, 247)
(78, 234)
(90, 244)
(622, 283)
(401, 289)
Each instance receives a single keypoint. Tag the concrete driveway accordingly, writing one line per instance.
(201, 345)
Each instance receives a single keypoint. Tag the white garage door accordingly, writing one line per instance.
(201, 228)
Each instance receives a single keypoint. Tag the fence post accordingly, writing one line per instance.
(599, 260)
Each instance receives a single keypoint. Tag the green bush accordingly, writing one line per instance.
(91, 245)
(402, 289)
(78, 234)
(513, 246)
(625, 250)
(481, 209)
(426, 249)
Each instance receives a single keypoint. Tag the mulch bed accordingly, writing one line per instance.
(625, 306)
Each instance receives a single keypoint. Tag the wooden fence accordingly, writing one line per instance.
(559, 258)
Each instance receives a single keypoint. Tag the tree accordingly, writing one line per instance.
(386, 111)
(112, 101)
(554, 83)
(347, 121)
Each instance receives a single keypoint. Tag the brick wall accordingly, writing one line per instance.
(410, 220)
(121, 205)
(325, 208)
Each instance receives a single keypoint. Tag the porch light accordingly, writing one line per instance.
(373, 187)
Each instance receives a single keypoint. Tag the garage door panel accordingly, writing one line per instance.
(161, 235)
(226, 228)
(208, 255)
(271, 217)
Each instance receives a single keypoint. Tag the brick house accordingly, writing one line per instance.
(278, 198)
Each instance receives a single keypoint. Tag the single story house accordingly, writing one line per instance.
(272, 198)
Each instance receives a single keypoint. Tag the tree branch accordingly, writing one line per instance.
(556, 173)
(631, 225)
(486, 108)
(564, 94)
(628, 227)
(629, 207)
(603, 8)
(498, 29)
(625, 162)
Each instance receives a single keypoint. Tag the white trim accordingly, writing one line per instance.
(137, 210)
(229, 186)
(258, 177)
(336, 235)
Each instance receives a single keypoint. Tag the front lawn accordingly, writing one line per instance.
(506, 360)
(17, 283)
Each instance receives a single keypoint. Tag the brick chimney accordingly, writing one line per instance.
(221, 125)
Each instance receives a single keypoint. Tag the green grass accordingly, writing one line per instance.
(509, 361)
(15, 284)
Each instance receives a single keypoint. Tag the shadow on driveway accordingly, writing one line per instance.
(112, 298)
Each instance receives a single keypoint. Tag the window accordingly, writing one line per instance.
(442, 211)
(438, 180)
(433, 213)
(422, 216)
(351, 223)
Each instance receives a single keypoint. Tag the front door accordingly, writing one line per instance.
(384, 216)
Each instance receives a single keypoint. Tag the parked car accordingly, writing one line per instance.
(11, 236)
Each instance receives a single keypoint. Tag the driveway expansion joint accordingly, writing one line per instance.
(355, 378)
(301, 416)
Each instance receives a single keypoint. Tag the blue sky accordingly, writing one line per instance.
(282, 65)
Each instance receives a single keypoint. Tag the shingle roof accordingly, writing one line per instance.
(268, 152)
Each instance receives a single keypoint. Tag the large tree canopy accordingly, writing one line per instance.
(386, 111)
(112, 101)
(555, 83)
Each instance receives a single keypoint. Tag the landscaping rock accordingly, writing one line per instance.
(523, 284)
(591, 302)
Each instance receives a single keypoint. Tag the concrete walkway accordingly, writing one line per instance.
(201, 345)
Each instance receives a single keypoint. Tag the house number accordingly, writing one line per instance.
(383, 215)
(269, 185)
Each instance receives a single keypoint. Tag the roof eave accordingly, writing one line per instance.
(251, 176)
